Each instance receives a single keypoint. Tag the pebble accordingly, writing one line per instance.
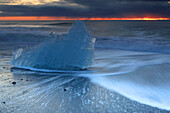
(14, 83)
(65, 89)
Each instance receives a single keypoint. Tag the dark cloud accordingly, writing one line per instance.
(19, 10)
(92, 8)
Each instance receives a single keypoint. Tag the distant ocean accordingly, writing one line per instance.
(131, 72)
(151, 36)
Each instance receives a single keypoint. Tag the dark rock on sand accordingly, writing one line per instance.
(13, 83)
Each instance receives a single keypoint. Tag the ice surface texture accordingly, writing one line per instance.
(73, 51)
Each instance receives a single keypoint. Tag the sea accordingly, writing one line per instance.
(130, 73)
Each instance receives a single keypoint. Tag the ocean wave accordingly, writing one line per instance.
(113, 63)
(140, 76)
(23, 37)
(61, 24)
(148, 85)
(134, 44)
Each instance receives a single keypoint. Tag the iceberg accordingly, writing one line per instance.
(71, 51)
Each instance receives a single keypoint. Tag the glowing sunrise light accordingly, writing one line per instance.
(71, 18)
(60, 3)
(28, 2)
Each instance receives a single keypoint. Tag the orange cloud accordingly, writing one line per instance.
(69, 18)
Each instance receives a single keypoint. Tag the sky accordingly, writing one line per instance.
(52, 9)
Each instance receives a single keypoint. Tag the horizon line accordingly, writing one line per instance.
(29, 18)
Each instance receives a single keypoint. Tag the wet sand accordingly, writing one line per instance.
(40, 92)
